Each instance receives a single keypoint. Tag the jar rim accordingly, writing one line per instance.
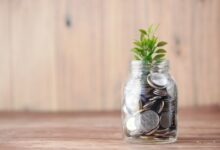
(138, 62)
(161, 66)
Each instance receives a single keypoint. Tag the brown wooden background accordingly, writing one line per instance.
(74, 54)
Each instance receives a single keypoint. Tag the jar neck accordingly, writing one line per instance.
(138, 68)
(160, 67)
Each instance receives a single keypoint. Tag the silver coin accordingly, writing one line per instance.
(160, 92)
(152, 131)
(132, 126)
(147, 93)
(169, 106)
(172, 90)
(160, 107)
(140, 104)
(157, 80)
(170, 133)
(149, 120)
(163, 136)
(162, 131)
(155, 98)
(166, 119)
(125, 110)
(175, 120)
(148, 105)
(132, 102)
(147, 89)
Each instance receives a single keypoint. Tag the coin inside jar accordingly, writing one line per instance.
(160, 92)
(169, 106)
(155, 98)
(157, 80)
(149, 120)
(132, 102)
(152, 131)
(131, 124)
(162, 131)
(166, 119)
(160, 107)
(148, 105)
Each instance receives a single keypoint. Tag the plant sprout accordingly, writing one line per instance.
(148, 48)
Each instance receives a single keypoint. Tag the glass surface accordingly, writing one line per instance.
(149, 108)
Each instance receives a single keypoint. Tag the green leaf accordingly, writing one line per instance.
(145, 42)
(150, 29)
(157, 26)
(155, 39)
(152, 43)
(142, 37)
(160, 51)
(137, 57)
(147, 48)
(158, 56)
(136, 49)
(151, 53)
(159, 60)
(138, 43)
(162, 43)
(143, 31)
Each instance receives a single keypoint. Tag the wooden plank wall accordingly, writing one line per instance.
(74, 54)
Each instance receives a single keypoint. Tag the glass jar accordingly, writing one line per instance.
(149, 108)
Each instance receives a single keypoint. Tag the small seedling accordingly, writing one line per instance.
(148, 48)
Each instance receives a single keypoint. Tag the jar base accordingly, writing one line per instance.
(150, 140)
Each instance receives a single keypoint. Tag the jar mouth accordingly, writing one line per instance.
(161, 66)
(139, 64)
(164, 62)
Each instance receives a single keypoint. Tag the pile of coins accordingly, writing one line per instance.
(155, 115)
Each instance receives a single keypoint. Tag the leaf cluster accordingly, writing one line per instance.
(148, 48)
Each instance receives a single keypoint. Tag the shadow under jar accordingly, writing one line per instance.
(149, 109)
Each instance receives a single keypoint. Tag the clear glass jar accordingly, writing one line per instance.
(149, 108)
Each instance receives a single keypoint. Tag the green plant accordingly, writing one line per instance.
(148, 48)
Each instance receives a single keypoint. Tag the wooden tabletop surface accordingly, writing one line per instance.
(198, 129)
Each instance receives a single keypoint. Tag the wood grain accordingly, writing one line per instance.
(33, 50)
(198, 129)
(206, 46)
(74, 54)
(181, 51)
(5, 59)
(79, 58)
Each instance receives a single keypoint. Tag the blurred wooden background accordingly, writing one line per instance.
(74, 54)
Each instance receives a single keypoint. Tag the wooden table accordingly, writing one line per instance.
(198, 129)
